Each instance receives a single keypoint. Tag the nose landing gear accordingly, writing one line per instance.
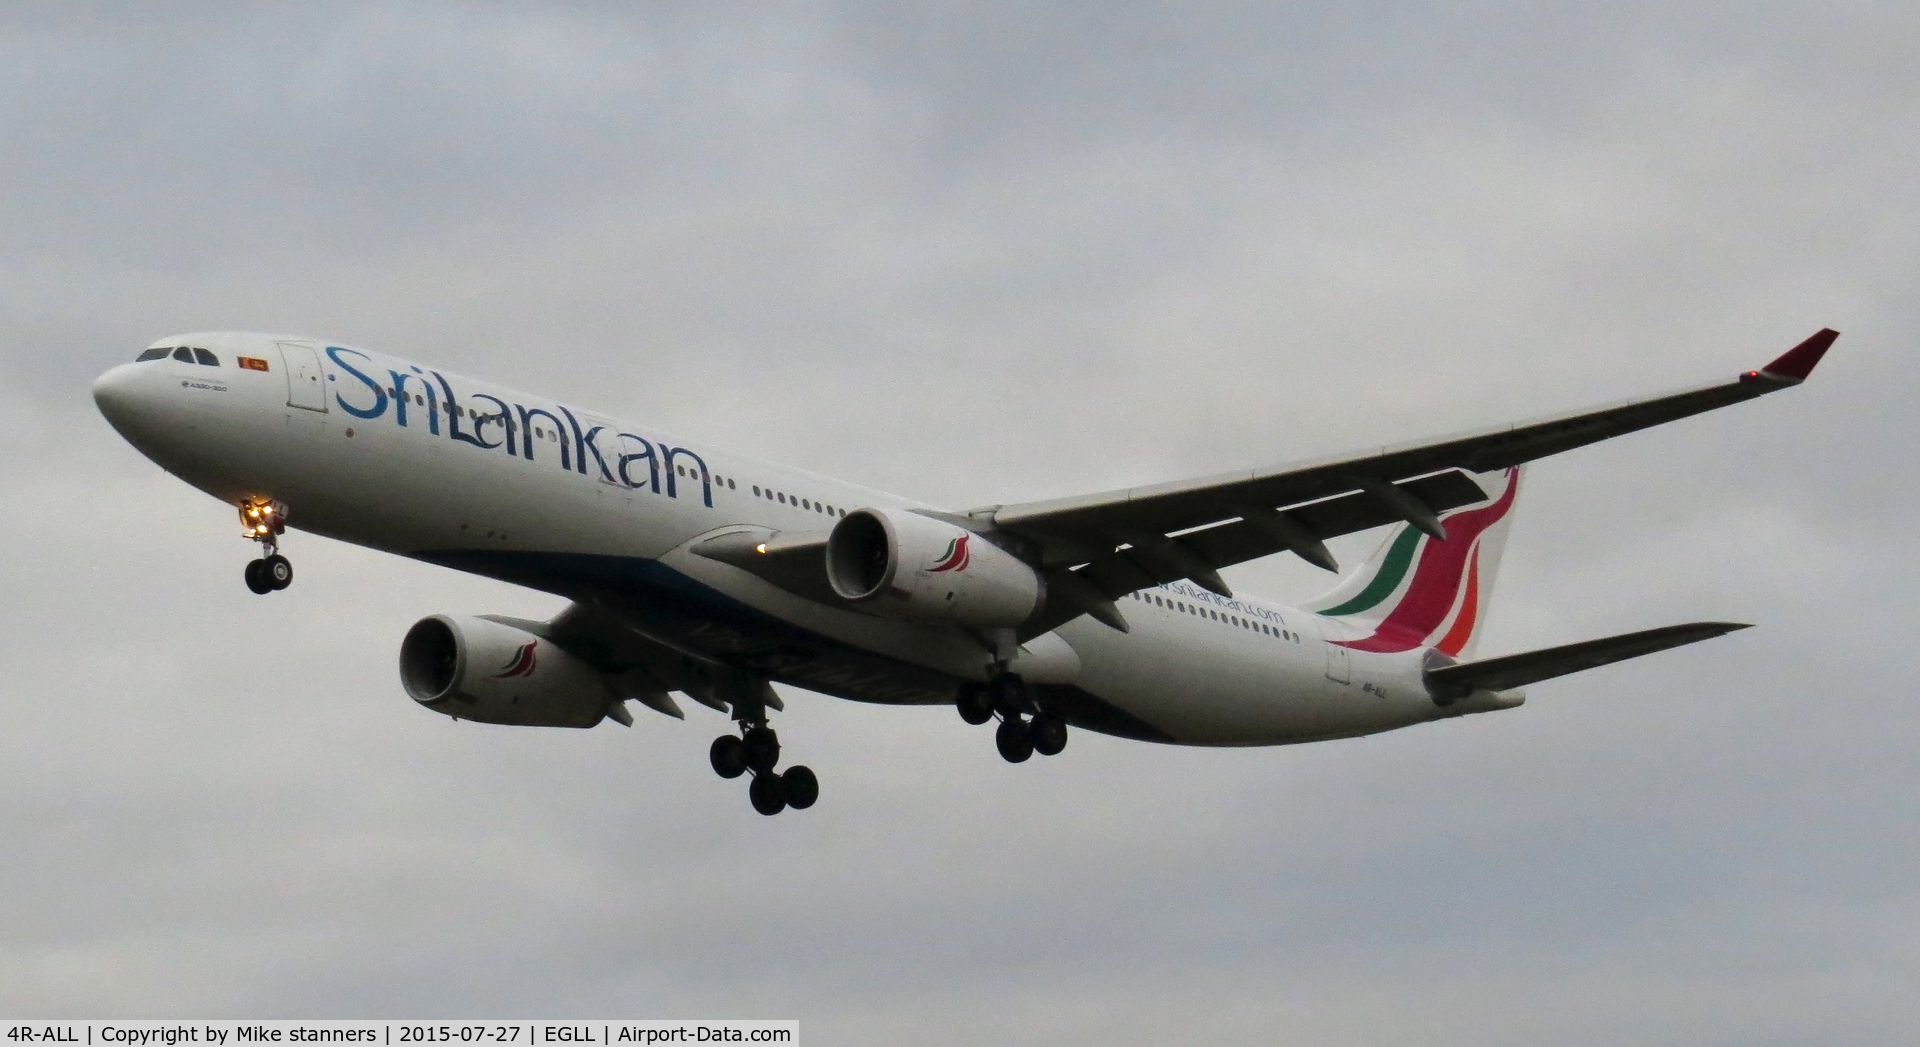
(264, 521)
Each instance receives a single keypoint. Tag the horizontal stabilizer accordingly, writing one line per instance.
(1452, 682)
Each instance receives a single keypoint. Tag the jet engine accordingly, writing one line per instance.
(476, 669)
(904, 565)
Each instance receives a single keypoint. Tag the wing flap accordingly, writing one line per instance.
(1224, 545)
(1453, 682)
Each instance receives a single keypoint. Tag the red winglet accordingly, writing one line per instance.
(1797, 362)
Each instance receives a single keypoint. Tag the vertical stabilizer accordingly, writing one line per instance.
(1417, 591)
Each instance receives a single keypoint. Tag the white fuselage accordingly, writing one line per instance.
(381, 452)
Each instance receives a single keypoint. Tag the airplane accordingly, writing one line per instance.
(709, 574)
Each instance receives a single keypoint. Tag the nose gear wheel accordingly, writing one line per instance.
(264, 521)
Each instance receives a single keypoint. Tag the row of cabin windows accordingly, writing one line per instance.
(694, 474)
(1276, 632)
(796, 501)
(184, 354)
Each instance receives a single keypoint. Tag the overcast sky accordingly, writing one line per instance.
(981, 253)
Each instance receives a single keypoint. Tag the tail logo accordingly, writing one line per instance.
(1446, 577)
(521, 664)
(956, 558)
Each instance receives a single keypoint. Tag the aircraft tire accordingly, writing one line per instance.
(974, 705)
(1049, 734)
(278, 571)
(728, 756)
(800, 786)
(1009, 693)
(257, 580)
(1014, 740)
(762, 748)
(767, 795)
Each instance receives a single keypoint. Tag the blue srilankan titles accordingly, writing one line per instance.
(696, 571)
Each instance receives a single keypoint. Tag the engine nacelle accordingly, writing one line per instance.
(904, 565)
(475, 669)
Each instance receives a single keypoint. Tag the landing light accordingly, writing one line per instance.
(761, 548)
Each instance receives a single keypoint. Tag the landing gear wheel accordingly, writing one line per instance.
(257, 579)
(278, 571)
(1049, 734)
(1008, 693)
(728, 756)
(767, 795)
(800, 786)
(1014, 740)
(974, 705)
(762, 748)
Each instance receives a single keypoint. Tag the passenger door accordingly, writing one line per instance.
(305, 390)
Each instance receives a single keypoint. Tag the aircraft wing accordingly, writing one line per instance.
(1453, 682)
(1191, 528)
(643, 665)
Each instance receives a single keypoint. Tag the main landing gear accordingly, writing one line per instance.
(1026, 725)
(757, 749)
(265, 521)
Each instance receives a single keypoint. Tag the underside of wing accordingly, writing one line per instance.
(1453, 682)
(643, 666)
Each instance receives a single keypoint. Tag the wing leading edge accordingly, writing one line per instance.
(1097, 548)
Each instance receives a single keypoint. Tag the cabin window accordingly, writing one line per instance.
(183, 354)
(159, 353)
(780, 496)
(730, 485)
(756, 490)
(804, 504)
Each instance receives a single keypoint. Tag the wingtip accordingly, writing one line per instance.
(1796, 364)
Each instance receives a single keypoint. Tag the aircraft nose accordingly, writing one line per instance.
(120, 395)
(112, 395)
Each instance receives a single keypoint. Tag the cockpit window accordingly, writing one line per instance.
(153, 354)
(183, 354)
(206, 358)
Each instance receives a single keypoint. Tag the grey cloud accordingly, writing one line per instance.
(980, 253)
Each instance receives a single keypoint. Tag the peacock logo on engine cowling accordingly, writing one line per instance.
(956, 558)
(521, 664)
